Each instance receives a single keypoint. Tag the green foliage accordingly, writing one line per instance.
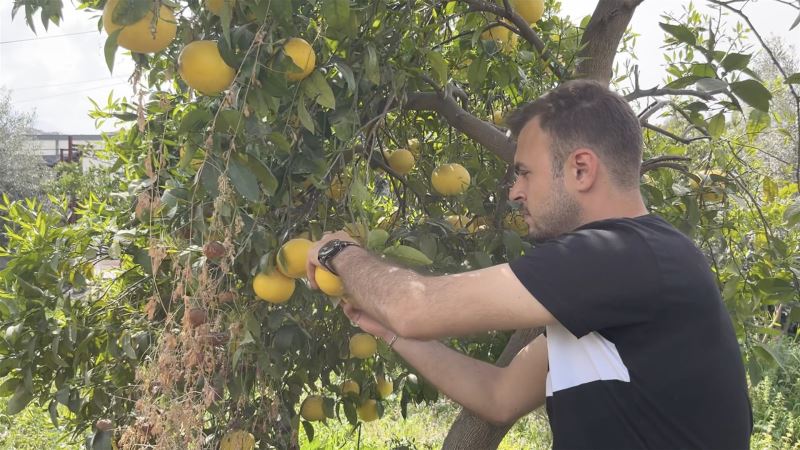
(22, 171)
(73, 181)
(776, 401)
(176, 349)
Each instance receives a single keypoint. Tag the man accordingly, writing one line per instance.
(639, 350)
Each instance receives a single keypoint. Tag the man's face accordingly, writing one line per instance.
(548, 208)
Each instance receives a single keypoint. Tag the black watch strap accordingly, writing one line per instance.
(328, 251)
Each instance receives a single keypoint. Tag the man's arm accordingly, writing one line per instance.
(499, 395)
(423, 307)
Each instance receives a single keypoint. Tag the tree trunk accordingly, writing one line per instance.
(600, 40)
(470, 432)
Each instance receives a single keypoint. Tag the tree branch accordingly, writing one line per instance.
(658, 92)
(672, 162)
(482, 132)
(670, 135)
(523, 29)
(601, 39)
(778, 65)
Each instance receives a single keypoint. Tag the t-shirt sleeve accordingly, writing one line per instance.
(593, 279)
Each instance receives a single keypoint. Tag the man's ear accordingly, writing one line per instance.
(584, 166)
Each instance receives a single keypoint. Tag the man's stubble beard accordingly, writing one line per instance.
(560, 214)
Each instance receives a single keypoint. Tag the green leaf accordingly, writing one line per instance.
(347, 73)
(758, 121)
(264, 175)
(408, 255)
(319, 86)
(350, 412)
(376, 239)
(110, 49)
(128, 12)
(753, 93)
(243, 179)
(309, 429)
(476, 73)
(793, 78)
(19, 400)
(513, 244)
(766, 356)
(280, 141)
(439, 66)
(336, 14)
(371, 65)
(711, 84)
(225, 19)
(305, 117)
(735, 61)
(683, 82)
(680, 32)
(716, 126)
(229, 121)
(195, 120)
(9, 386)
(127, 347)
(704, 70)
(53, 410)
(792, 215)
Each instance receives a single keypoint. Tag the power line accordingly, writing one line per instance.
(47, 37)
(67, 83)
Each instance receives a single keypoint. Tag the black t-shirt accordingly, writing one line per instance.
(644, 354)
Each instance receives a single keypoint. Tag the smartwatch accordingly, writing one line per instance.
(331, 249)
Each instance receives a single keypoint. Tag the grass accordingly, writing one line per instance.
(775, 400)
(425, 428)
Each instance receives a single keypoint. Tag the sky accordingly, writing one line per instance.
(55, 72)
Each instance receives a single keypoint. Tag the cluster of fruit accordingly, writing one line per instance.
(200, 63)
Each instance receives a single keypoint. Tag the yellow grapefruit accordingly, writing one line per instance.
(450, 179)
(237, 440)
(311, 408)
(328, 282)
(497, 33)
(401, 161)
(273, 287)
(139, 37)
(384, 387)
(215, 6)
(363, 345)
(302, 54)
(530, 10)
(350, 387)
(368, 411)
(413, 146)
(202, 67)
(292, 257)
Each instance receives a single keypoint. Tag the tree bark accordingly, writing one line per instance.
(601, 39)
(470, 432)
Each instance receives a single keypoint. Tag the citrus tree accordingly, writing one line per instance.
(258, 125)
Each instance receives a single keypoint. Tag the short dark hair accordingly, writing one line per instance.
(584, 113)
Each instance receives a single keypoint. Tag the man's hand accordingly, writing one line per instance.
(367, 323)
(312, 261)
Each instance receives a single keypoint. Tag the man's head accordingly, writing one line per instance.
(579, 152)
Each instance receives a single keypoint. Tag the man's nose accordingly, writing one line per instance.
(515, 194)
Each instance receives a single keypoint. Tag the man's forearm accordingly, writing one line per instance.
(467, 381)
(372, 284)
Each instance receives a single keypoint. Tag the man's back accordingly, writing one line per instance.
(644, 355)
